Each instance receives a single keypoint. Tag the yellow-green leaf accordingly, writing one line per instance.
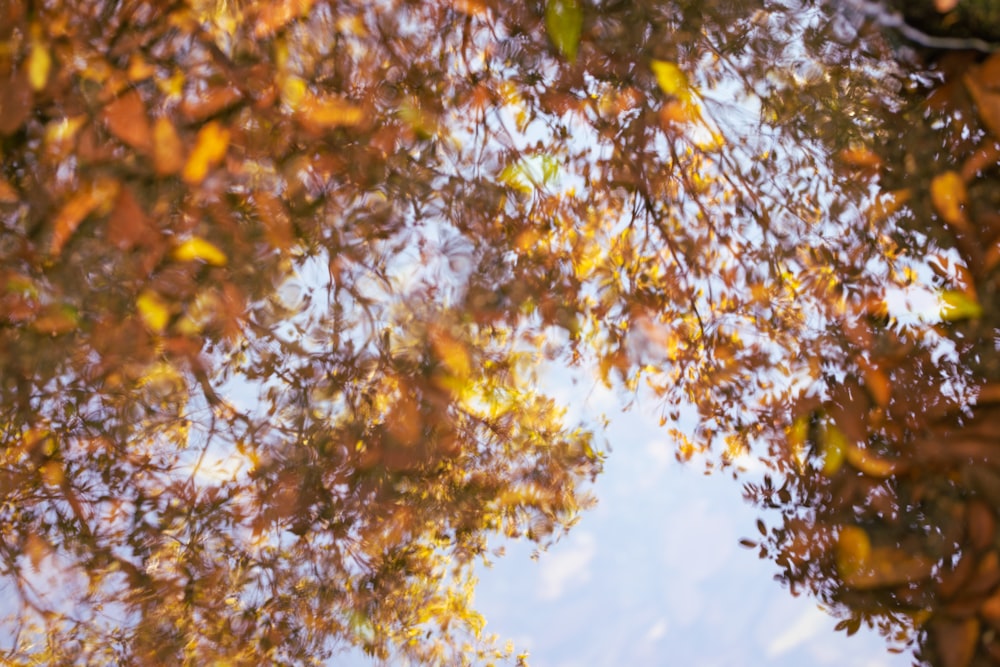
(564, 23)
(956, 306)
(671, 79)
(198, 249)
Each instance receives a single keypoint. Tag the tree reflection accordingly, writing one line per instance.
(278, 276)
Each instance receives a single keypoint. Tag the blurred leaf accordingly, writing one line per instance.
(15, 102)
(209, 149)
(957, 306)
(153, 310)
(39, 64)
(328, 111)
(127, 119)
(853, 551)
(671, 79)
(832, 447)
(564, 23)
(949, 197)
(88, 199)
(168, 152)
(198, 249)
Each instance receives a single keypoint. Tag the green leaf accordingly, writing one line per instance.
(564, 22)
(957, 305)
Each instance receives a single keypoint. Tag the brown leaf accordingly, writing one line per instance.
(127, 120)
(955, 640)
(987, 98)
(128, 225)
(981, 524)
(201, 107)
(168, 152)
(8, 195)
(15, 103)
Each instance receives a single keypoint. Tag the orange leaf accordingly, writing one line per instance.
(209, 149)
(77, 208)
(15, 102)
(168, 152)
(328, 112)
(949, 197)
(980, 83)
(210, 102)
(127, 120)
(273, 16)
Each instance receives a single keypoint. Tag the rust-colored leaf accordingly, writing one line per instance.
(90, 198)
(128, 224)
(984, 92)
(274, 16)
(8, 195)
(127, 119)
(168, 152)
(981, 524)
(955, 640)
(15, 102)
(205, 105)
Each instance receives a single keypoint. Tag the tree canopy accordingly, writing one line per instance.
(276, 279)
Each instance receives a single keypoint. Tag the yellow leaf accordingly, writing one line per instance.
(833, 444)
(798, 433)
(949, 197)
(209, 149)
(452, 354)
(328, 111)
(873, 465)
(293, 91)
(853, 552)
(39, 61)
(671, 79)
(198, 249)
(957, 305)
(155, 313)
(52, 473)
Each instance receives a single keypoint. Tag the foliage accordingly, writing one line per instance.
(278, 277)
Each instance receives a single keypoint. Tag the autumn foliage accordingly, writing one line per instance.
(277, 279)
